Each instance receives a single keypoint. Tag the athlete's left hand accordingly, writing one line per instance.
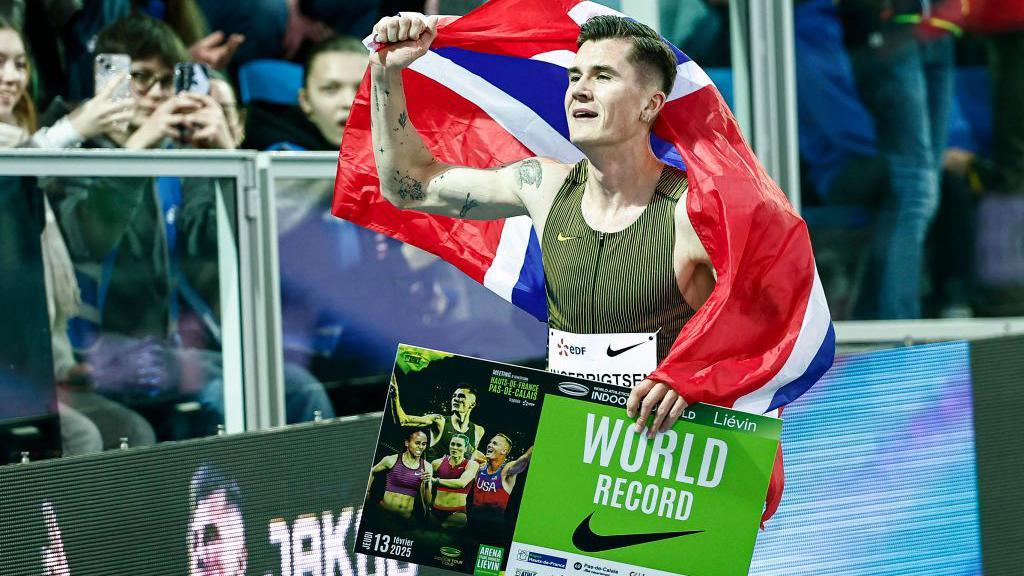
(657, 399)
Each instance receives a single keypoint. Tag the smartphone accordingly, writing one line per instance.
(107, 68)
(191, 77)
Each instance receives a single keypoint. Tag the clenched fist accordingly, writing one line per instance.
(403, 39)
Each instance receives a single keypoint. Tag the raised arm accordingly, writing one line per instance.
(409, 419)
(410, 176)
(514, 469)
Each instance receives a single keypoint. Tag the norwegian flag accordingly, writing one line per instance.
(490, 91)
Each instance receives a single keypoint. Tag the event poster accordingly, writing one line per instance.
(486, 468)
(451, 462)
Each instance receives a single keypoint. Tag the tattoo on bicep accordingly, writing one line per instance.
(530, 173)
(468, 205)
(403, 118)
(410, 188)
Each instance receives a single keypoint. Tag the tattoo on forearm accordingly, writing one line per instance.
(409, 188)
(376, 100)
(467, 206)
(403, 118)
(530, 173)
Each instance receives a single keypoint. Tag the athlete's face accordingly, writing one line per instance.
(463, 400)
(609, 99)
(326, 99)
(457, 448)
(216, 538)
(416, 444)
(498, 446)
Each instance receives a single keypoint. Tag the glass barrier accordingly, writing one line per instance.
(348, 296)
(128, 290)
(134, 299)
(911, 158)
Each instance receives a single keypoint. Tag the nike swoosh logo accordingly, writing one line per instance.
(585, 540)
(613, 353)
(564, 238)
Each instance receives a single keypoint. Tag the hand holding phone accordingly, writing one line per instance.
(112, 75)
(103, 114)
(113, 68)
(191, 77)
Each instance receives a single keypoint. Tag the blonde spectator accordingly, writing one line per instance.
(18, 129)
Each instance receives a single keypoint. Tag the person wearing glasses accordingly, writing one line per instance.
(160, 114)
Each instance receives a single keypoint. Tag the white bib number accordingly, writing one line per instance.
(619, 359)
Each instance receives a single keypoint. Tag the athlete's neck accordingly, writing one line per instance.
(410, 460)
(461, 421)
(620, 178)
(454, 462)
(493, 464)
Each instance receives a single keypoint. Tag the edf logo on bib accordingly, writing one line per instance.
(568, 350)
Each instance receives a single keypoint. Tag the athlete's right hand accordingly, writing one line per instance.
(404, 38)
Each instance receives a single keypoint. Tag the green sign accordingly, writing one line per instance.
(491, 469)
(488, 561)
(605, 500)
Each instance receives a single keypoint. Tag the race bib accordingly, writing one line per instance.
(620, 359)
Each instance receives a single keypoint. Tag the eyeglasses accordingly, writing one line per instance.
(143, 81)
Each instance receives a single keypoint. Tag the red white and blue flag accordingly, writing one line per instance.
(490, 91)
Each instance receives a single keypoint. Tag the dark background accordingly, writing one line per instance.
(126, 512)
(997, 370)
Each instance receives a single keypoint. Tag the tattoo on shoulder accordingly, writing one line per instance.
(530, 173)
(468, 205)
(403, 118)
(410, 188)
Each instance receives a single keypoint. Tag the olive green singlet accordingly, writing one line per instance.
(601, 282)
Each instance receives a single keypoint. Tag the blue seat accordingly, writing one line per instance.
(273, 81)
(971, 113)
(836, 217)
(722, 77)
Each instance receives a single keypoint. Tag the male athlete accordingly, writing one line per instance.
(494, 483)
(454, 475)
(622, 261)
(442, 428)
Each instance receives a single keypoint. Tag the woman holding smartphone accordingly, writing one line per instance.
(18, 120)
(18, 128)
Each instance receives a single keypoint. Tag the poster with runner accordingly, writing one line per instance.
(486, 468)
(451, 461)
